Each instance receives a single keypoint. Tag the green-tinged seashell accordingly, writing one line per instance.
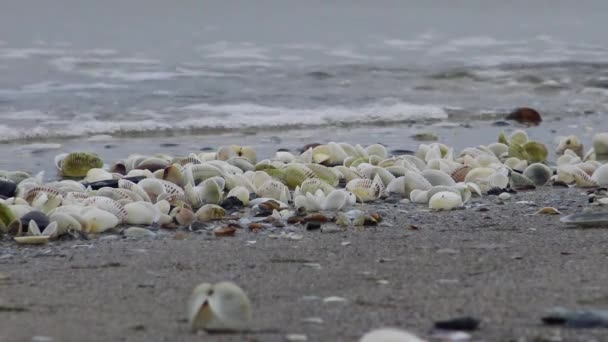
(324, 173)
(518, 137)
(276, 173)
(502, 138)
(358, 161)
(311, 185)
(263, 167)
(295, 174)
(6, 217)
(517, 151)
(210, 212)
(537, 152)
(77, 164)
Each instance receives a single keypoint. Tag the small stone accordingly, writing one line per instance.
(460, 323)
(313, 225)
(525, 115)
(224, 231)
(296, 337)
(334, 299)
(137, 232)
(382, 282)
(343, 243)
(505, 196)
(313, 320)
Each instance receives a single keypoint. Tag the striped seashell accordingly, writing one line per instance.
(588, 167)
(108, 205)
(573, 174)
(459, 174)
(294, 174)
(30, 194)
(349, 173)
(127, 184)
(313, 184)
(366, 189)
(196, 173)
(274, 189)
(191, 159)
(324, 173)
(119, 194)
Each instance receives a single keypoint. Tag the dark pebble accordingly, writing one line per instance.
(460, 323)
(313, 225)
(169, 145)
(39, 217)
(525, 115)
(112, 183)
(500, 123)
(231, 203)
(7, 188)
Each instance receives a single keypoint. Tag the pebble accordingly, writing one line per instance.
(505, 196)
(137, 232)
(460, 323)
(296, 337)
(313, 320)
(334, 299)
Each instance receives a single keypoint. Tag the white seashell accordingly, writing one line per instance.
(128, 185)
(141, 213)
(366, 189)
(572, 174)
(376, 150)
(107, 204)
(600, 144)
(505, 196)
(436, 177)
(519, 137)
(65, 222)
(498, 149)
(241, 193)
(98, 220)
(137, 232)
(445, 201)
(570, 143)
(163, 207)
(339, 199)
(498, 180)
(284, 156)
(96, 175)
(419, 196)
(222, 306)
(600, 176)
(312, 185)
(275, 190)
(390, 335)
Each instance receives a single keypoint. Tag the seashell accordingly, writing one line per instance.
(538, 173)
(183, 216)
(349, 174)
(518, 137)
(405, 184)
(141, 213)
(6, 217)
(324, 173)
(221, 306)
(536, 151)
(128, 185)
(366, 189)
(351, 218)
(338, 200)
(312, 185)
(498, 149)
(274, 189)
(174, 174)
(241, 163)
(436, 177)
(321, 154)
(445, 200)
(520, 182)
(194, 174)
(209, 212)
(41, 219)
(248, 153)
(570, 143)
(152, 187)
(35, 237)
(77, 164)
(572, 174)
(241, 193)
(65, 222)
(548, 211)
(419, 196)
(226, 152)
(376, 150)
(152, 164)
(119, 194)
(586, 219)
(137, 232)
(107, 204)
(98, 220)
(498, 180)
(285, 157)
(600, 176)
(97, 175)
(163, 206)
(440, 188)
(390, 335)
(600, 144)
(459, 174)
(295, 174)
(183, 161)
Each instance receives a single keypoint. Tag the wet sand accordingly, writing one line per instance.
(505, 266)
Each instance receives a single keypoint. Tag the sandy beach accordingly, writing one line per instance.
(504, 265)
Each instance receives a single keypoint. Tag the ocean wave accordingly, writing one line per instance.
(209, 118)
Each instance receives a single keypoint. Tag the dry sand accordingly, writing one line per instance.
(505, 266)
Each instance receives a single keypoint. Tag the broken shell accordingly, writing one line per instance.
(390, 335)
(365, 189)
(548, 211)
(137, 232)
(221, 306)
(224, 231)
(570, 143)
(98, 220)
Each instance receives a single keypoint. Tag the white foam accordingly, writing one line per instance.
(14, 53)
(50, 86)
(234, 50)
(205, 116)
(349, 53)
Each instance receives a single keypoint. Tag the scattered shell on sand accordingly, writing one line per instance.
(390, 335)
(221, 306)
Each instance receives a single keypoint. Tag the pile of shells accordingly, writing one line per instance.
(177, 191)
